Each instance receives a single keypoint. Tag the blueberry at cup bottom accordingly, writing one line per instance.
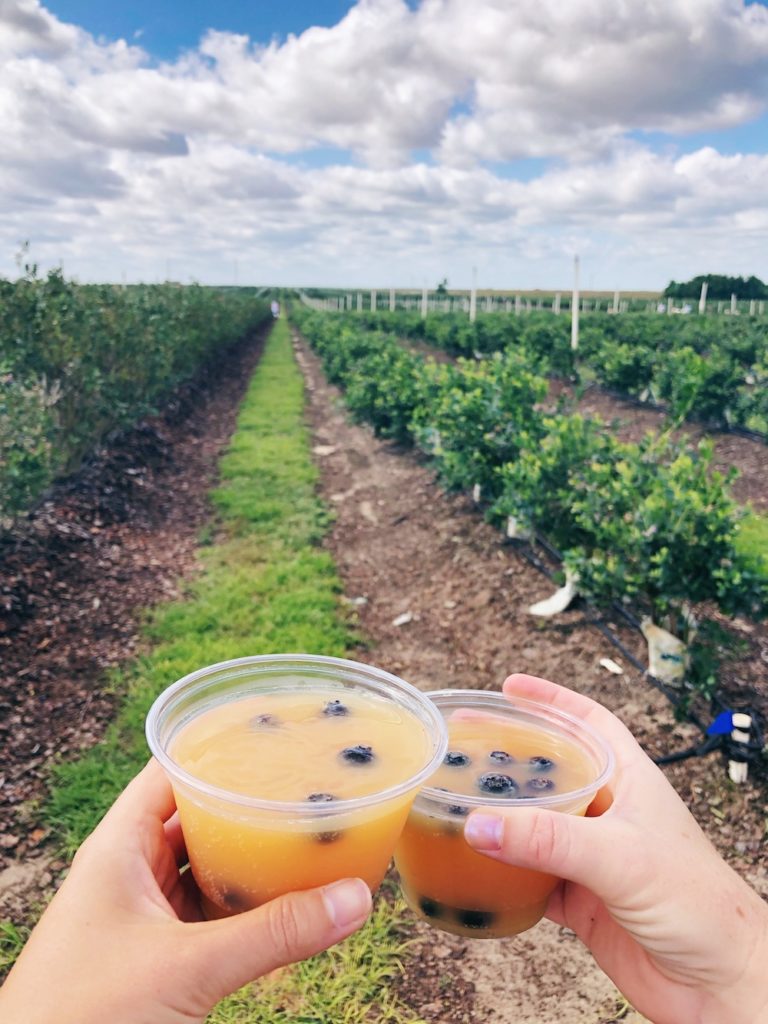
(470, 921)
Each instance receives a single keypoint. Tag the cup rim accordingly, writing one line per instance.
(432, 721)
(497, 700)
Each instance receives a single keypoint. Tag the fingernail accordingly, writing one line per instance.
(347, 901)
(484, 831)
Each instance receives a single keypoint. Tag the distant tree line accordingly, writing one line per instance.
(720, 286)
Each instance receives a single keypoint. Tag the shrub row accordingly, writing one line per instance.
(650, 523)
(78, 361)
(714, 370)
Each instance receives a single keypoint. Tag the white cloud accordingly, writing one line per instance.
(116, 162)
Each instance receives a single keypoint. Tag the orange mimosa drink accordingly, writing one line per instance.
(500, 753)
(291, 772)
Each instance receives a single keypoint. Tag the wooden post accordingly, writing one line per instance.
(473, 296)
(703, 297)
(575, 306)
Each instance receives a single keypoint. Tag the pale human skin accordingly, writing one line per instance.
(678, 931)
(123, 939)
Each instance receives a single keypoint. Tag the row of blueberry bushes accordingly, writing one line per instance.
(707, 369)
(649, 524)
(79, 361)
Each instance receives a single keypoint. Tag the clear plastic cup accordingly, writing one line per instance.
(520, 753)
(246, 847)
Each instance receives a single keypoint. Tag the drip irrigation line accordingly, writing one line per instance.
(735, 751)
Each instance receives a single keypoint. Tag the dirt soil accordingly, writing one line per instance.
(442, 600)
(121, 536)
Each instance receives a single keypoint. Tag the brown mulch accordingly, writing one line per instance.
(77, 574)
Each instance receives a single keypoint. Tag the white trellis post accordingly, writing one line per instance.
(703, 297)
(359, 302)
(391, 300)
(575, 306)
(424, 301)
(751, 307)
(733, 303)
(373, 299)
(556, 307)
(615, 302)
(473, 296)
(518, 305)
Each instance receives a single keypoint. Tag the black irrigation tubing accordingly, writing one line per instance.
(736, 751)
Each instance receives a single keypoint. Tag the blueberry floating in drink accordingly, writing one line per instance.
(500, 757)
(358, 754)
(539, 785)
(497, 784)
(457, 759)
(541, 764)
(335, 709)
(264, 721)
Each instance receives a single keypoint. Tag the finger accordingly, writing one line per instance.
(175, 839)
(593, 852)
(149, 793)
(236, 950)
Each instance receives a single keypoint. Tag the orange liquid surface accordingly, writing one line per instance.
(447, 882)
(289, 746)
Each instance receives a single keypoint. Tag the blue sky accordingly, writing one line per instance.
(407, 142)
(166, 27)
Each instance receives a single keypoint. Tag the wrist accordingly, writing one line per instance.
(745, 999)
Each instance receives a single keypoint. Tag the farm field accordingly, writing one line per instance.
(402, 546)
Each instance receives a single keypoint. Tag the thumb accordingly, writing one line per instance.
(235, 950)
(588, 851)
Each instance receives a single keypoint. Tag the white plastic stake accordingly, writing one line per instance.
(373, 299)
(575, 305)
(733, 303)
(559, 601)
(391, 300)
(703, 297)
(476, 494)
(738, 770)
(424, 302)
(359, 302)
(516, 531)
(615, 302)
(518, 305)
(473, 296)
(556, 307)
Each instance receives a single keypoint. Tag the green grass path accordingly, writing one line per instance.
(266, 586)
